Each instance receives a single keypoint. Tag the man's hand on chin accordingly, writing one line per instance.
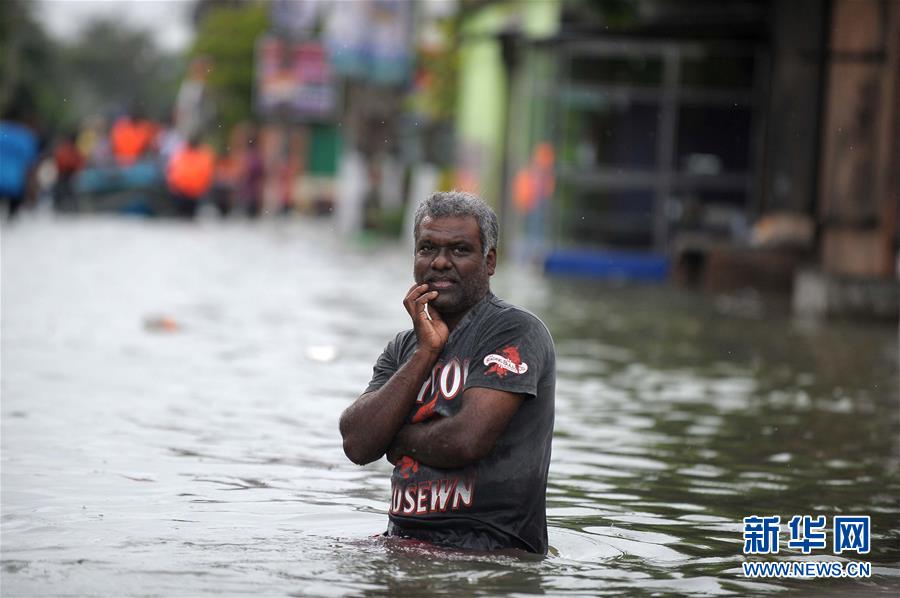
(431, 330)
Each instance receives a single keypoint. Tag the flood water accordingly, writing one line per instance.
(170, 397)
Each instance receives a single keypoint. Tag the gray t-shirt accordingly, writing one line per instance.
(499, 501)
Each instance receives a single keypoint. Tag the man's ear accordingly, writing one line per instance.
(491, 260)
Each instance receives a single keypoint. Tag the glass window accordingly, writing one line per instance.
(712, 211)
(608, 218)
(620, 70)
(618, 134)
(713, 139)
(718, 72)
(609, 119)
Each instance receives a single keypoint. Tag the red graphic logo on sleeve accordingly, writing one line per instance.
(508, 361)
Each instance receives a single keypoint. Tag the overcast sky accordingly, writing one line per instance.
(168, 20)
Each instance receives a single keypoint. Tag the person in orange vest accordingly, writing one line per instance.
(189, 176)
(131, 137)
(69, 161)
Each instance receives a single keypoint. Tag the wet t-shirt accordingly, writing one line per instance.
(500, 500)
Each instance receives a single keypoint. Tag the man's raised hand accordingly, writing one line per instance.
(431, 331)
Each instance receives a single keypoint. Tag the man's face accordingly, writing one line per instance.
(449, 257)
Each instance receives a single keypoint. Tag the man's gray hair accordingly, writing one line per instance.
(443, 204)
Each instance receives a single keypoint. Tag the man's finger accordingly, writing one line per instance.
(426, 297)
(420, 305)
(415, 291)
(435, 314)
(410, 292)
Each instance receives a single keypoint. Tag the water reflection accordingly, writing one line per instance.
(206, 458)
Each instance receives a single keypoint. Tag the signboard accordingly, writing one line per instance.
(294, 80)
(371, 39)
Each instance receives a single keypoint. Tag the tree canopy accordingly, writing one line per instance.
(227, 34)
(109, 67)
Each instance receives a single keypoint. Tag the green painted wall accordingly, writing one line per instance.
(482, 91)
(482, 100)
(541, 17)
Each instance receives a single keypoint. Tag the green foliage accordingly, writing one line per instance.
(439, 72)
(29, 66)
(117, 68)
(228, 36)
(107, 67)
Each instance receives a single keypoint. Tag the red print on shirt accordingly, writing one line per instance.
(507, 361)
(407, 465)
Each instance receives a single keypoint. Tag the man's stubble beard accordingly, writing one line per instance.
(472, 291)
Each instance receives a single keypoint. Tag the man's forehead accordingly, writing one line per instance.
(463, 227)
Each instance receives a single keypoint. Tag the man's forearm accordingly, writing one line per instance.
(436, 443)
(464, 438)
(370, 424)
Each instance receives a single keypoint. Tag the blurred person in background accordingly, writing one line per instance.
(189, 176)
(68, 160)
(224, 182)
(193, 105)
(19, 151)
(252, 176)
(94, 143)
(131, 137)
(168, 141)
(226, 186)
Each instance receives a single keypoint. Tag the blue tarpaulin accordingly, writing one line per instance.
(614, 265)
(141, 175)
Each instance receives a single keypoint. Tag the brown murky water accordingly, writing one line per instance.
(170, 396)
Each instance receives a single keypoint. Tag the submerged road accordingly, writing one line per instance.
(170, 395)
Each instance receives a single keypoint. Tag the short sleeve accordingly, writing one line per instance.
(512, 356)
(386, 365)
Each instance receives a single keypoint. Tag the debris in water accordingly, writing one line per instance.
(162, 324)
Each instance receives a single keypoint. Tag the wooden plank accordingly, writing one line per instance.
(849, 170)
(857, 26)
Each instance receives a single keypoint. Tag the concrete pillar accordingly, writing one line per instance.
(860, 161)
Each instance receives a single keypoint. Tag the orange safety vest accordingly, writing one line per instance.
(190, 171)
(130, 139)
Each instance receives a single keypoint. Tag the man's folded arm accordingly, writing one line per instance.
(468, 436)
(369, 425)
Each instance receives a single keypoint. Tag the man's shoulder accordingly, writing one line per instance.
(403, 340)
(508, 313)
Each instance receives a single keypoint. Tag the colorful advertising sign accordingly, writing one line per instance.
(294, 80)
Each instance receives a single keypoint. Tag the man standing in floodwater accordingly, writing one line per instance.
(463, 403)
